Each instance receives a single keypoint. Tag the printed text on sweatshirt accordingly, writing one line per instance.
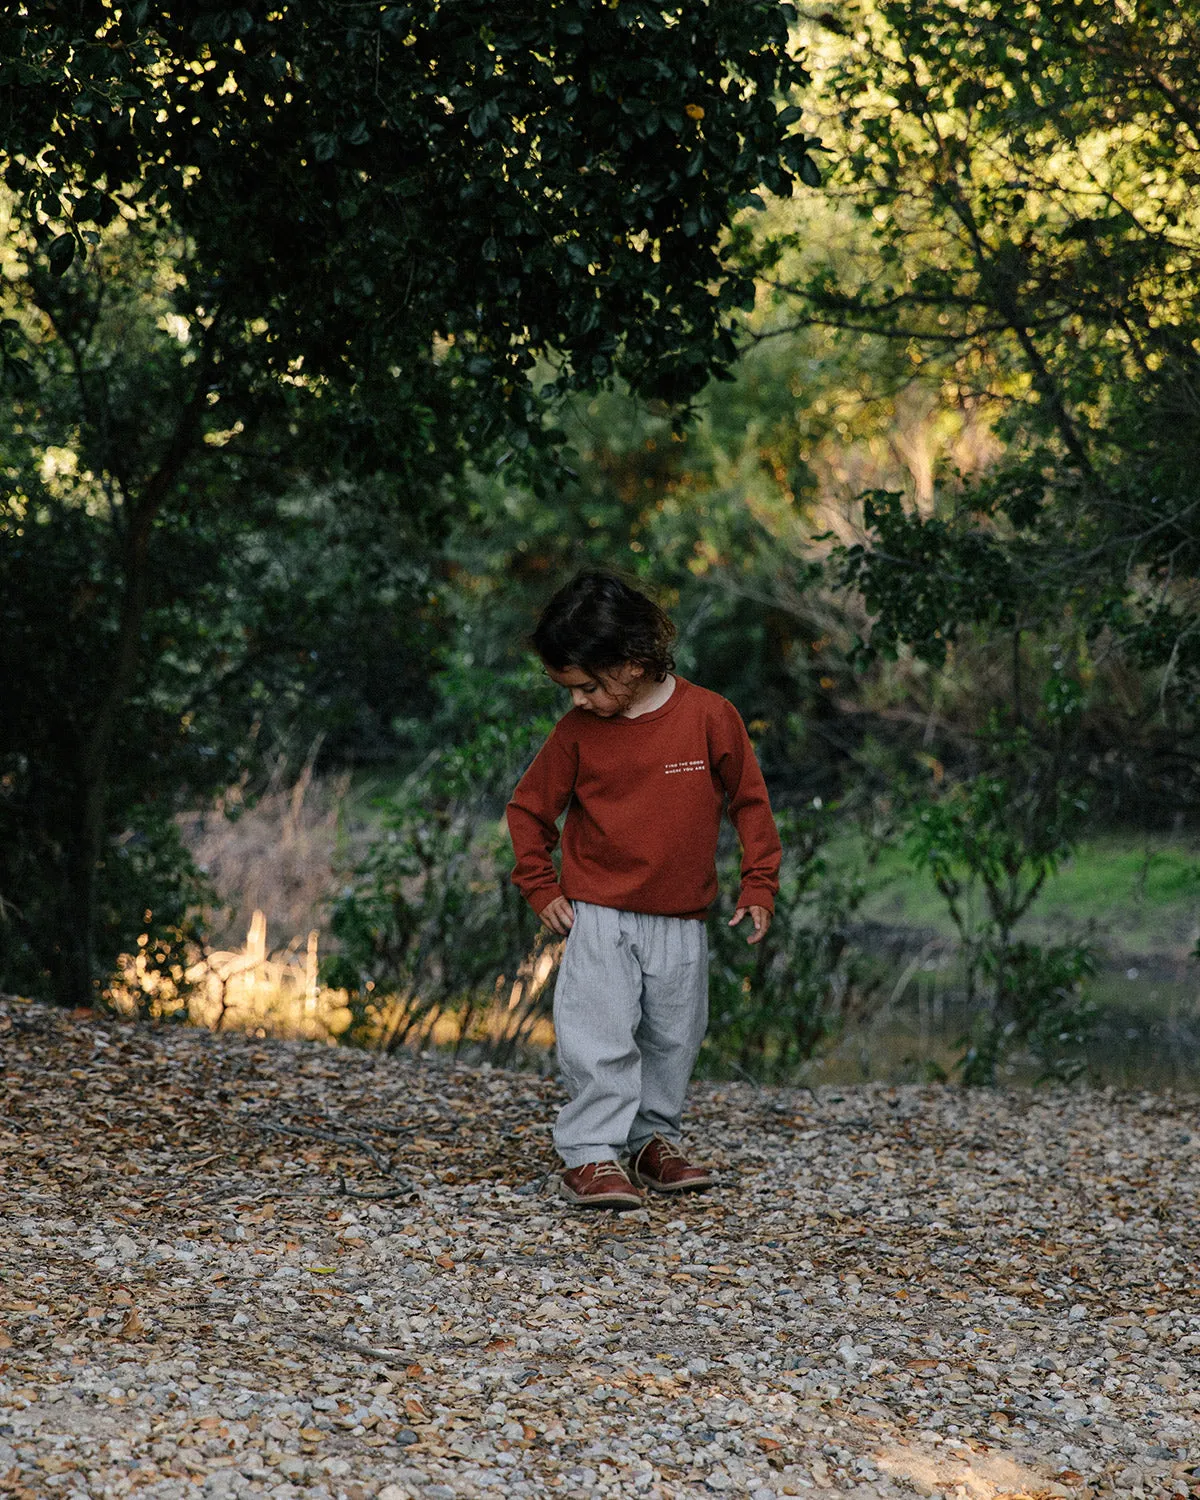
(643, 799)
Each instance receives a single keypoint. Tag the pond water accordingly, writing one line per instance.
(1145, 1034)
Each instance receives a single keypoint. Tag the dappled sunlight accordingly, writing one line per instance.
(279, 994)
(247, 990)
(968, 1475)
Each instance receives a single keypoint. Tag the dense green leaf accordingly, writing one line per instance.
(326, 248)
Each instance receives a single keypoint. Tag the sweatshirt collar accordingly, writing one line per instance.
(681, 687)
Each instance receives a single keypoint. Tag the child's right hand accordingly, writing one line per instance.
(559, 916)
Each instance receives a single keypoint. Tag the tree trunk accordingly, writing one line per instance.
(75, 967)
(74, 972)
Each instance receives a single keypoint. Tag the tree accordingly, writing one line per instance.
(522, 180)
(1029, 175)
(272, 245)
(1025, 182)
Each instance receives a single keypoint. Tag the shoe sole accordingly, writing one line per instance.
(674, 1187)
(598, 1200)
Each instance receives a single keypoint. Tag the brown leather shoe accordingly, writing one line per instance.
(662, 1166)
(600, 1184)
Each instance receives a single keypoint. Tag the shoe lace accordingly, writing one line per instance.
(668, 1150)
(608, 1169)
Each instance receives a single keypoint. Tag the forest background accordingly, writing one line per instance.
(866, 339)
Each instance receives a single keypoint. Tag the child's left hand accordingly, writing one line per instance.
(759, 915)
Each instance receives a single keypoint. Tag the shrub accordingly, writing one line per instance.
(776, 1004)
(989, 843)
(430, 925)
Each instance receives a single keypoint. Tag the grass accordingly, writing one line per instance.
(1139, 893)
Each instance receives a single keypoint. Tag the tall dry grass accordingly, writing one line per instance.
(277, 853)
(275, 863)
(272, 861)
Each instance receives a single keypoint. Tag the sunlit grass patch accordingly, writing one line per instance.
(244, 990)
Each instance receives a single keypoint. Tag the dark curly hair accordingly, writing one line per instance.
(598, 621)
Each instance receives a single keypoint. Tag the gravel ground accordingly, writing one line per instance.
(231, 1266)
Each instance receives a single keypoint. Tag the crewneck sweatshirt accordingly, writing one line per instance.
(643, 799)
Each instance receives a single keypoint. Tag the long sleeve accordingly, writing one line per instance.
(537, 804)
(749, 810)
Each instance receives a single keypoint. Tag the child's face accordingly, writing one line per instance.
(604, 694)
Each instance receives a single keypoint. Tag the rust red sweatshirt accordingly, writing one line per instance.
(643, 799)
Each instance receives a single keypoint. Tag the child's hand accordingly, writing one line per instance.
(559, 916)
(759, 915)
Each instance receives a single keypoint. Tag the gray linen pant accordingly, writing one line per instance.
(630, 1010)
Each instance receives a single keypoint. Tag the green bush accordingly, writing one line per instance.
(774, 1005)
(1040, 1006)
(989, 844)
(429, 922)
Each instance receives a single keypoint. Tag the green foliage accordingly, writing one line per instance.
(989, 844)
(775, 1004)
(1025, 183)
(925, 580)
(331, 616)
(142, 669)
(488, 727)
(1008, 827)
(430, 920)
(59, 612)
(549, 178)
(270, 275)
(1041, 1007)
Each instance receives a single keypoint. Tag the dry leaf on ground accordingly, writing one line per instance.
(231, 1267)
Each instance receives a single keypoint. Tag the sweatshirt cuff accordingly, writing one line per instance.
(757, 895)
(540, 900)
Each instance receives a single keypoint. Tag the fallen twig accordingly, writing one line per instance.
(309, 1132)
(399, 1192)
(349, 1346)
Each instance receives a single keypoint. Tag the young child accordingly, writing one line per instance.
(642, 765)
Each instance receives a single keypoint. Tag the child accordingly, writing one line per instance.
(642, 764)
